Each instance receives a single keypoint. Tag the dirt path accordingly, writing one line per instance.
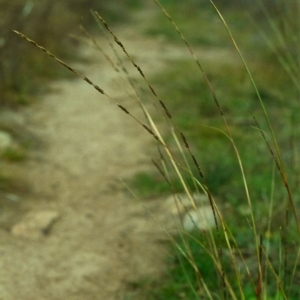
(103, 239)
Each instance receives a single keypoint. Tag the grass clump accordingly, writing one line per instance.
(180, 281)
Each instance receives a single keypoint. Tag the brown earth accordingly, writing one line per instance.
(102, 239)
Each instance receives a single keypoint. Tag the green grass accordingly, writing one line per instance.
(194, 111)
(148, 185)
(177, 281)
(189, 100)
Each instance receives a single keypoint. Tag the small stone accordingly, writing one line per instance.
(35, 224)
(189, 213)
(202, 219)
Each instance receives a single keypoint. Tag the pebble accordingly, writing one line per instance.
(35, 224)
(193, 217)
(202, 219)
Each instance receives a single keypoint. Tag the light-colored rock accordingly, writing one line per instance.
(202, 219)
(6, 140)
(190, 213)
(35, 224)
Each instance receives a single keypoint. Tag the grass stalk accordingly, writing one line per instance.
(278, 155)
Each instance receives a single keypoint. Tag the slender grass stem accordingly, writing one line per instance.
(278, 155)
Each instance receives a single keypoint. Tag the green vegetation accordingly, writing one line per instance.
(181, 280)
(188, 98)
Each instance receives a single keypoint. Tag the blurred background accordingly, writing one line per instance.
(50, 22)
(24, 70)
